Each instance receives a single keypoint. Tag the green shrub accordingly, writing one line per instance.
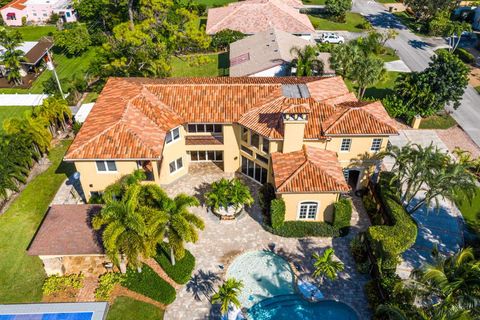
(389, 241)
(298, 229)
(149, 284)
(267, 194)
(358, 248)
(222, 39)
(60, 283)
(342, 215)
(338, 8)
(277, 213)
(106, 282)
(464, 55)
(181, 272)
(225, 193)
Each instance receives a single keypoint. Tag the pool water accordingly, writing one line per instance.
(49, 316)
(293, 307)
(264, 275)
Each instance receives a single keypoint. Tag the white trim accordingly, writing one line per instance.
(176, 167)
(107, 171)
(170, 132)
(349, 145)
(379, 146)
(299, 206)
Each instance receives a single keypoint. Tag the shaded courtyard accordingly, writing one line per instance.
(221, 242)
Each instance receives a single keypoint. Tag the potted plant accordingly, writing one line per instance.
(228, 197)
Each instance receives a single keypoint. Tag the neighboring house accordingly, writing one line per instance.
(34, 52)
(267, 54)
(307, 136)
(37, 11)
(254, 16)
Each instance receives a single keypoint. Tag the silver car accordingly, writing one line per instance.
(330, 37)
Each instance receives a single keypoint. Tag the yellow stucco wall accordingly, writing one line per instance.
(325, 204)
(293, 135)
(172, 152)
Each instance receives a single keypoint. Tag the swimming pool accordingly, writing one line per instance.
(293, 307)
(49, 316)
(264, 275)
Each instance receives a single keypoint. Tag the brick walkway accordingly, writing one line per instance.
(87, 292)
(220, 242)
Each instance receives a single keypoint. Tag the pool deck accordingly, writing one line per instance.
(221, 242)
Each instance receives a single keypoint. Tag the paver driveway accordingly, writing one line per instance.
(220, 242)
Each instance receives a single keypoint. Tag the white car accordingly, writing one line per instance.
(331, 37)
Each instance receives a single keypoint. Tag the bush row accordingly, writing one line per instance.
(389, 241)
(181, 272)
(342, 215)
(298, 229)
(149, 284)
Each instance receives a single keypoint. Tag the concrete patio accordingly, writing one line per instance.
(221, 242)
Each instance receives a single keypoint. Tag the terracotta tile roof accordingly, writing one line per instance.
(16, 4)
(253, 16)
(66, 230)
(132, 115)
(308, 170)
(203, 140)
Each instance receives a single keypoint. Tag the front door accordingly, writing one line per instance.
(353, 176)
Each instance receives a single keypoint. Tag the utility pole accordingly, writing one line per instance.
(51, 67)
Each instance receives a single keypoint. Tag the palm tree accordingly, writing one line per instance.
(454, 282)
(366, 72)
(131, 230)
(228, 294)
(35, 128)
(344, 57)
(325, 266)
(12, 55)
(55, 111)
(306, 61)
(427, 174)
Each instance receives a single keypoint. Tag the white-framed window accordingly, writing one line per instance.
(307, 210)
(175, 165)
(172, 135)
(204, 127)
(200, 156)
(106, 166)
(346, 144)
(376, 145)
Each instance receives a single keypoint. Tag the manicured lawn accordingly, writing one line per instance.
(389, 55)
(383, 87)
(126, 309)
(10, 112)
(33, 33)
(66, 68)
(314, 2)
(22, 276)
(217, 65)
(470, 210)
(353, 23)
(214, 3)
(91, 97)
(443, 121)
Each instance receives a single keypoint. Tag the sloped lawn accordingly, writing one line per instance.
(127, 309)
(22, 276)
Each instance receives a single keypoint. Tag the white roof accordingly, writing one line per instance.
(25, 47)
(22, 99)
(83, 112)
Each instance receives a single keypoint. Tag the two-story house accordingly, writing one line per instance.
(307, 136)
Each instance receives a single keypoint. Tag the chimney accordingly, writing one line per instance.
(294, 120)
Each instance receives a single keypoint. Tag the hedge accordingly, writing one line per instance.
(277, 213)
(181, 272)
(298, 229)
(389, 241)
(342, 215)
(149, 284)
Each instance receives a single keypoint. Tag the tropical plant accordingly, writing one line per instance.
(425, 10)
(366, 72)
(131, 229)
(428, 174)
(465, 157)
(228, 193)
(33, 127)
(452, 283)
(12, 57)
(222, 39)
(228, 294)
(306, 61)
(344, 57)
(74, 39)
(338, 8)
(325, 265)
(56, 111)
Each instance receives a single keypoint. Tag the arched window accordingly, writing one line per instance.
(307, 210)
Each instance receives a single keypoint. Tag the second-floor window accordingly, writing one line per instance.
(106, 166)
(376, 145)
(346, 144)
(204, 127)
(172, 135)
(265, 145)
(175, 165)
(255, 140)
(245, 134)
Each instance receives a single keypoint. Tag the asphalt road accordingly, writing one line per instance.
(416, 54)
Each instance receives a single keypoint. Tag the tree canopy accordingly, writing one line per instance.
(73, 39)
(12, 56)
(338, 8)
(425, 10)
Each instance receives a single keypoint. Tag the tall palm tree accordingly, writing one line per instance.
(306, 61)
(228, 294)
(55, 111)
(453, 282)
(131, 230)
(35, 128)
(366, 72)
(181, 225)
(12, 55)
(344, 57)
(325, 266)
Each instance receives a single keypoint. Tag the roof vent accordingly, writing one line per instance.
(295, 91)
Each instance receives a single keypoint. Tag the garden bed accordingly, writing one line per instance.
(442, 121)
(149, 284)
